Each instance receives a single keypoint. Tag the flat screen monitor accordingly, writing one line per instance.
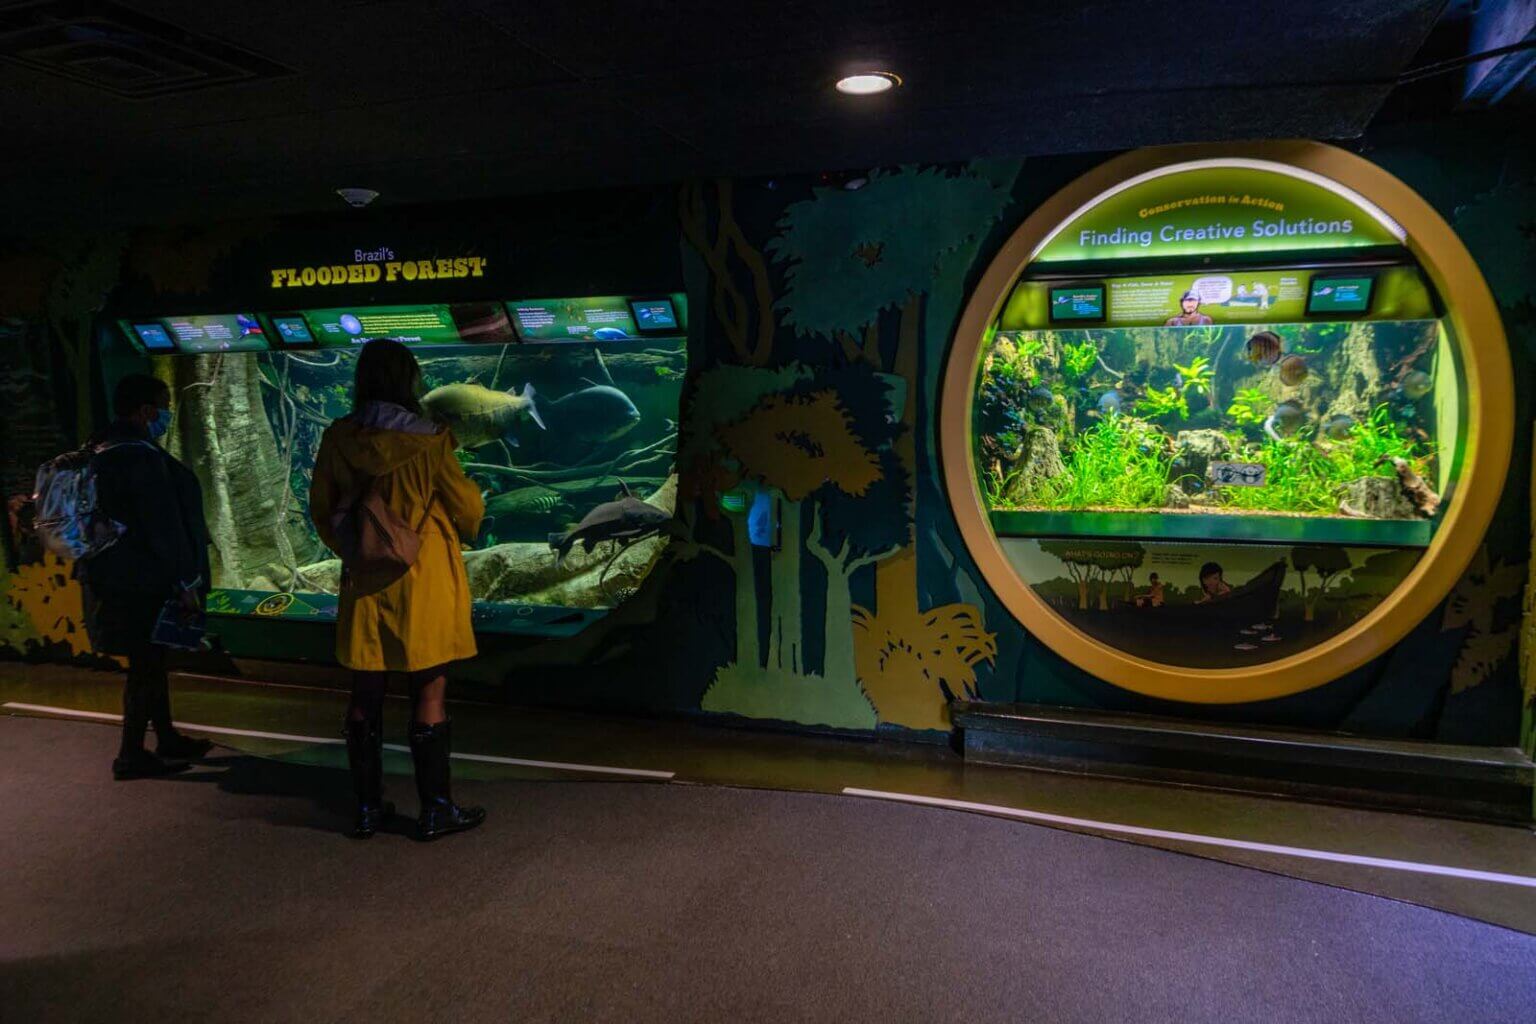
(593, 318)
(1340, 296)
(292, 331)
(231, 332)
(654, 316)
(1082, 303)
(154, 337)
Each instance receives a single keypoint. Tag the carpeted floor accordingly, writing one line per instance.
(228, 895)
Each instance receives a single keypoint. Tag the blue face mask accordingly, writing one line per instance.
(160, 424)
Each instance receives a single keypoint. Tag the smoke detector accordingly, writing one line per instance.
(357, 197)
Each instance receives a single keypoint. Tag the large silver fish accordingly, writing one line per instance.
(477, 415)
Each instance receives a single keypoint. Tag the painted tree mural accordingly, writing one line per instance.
(858, 268)
(1081, 564)
(1329, 563)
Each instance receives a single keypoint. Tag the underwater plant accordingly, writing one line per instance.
(1077, 360)
(1116, 463)
(1196, 376)
(1298, 477)
(1249, 406)
(1372, 445)
(1159, 402)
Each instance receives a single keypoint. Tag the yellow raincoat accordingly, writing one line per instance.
(421, 620)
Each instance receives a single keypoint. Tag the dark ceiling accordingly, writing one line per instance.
(164, 110)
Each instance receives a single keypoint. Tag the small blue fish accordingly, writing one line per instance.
(1110, 402)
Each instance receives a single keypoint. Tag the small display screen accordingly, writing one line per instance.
(154, 337)
(292, 330)
(1339, 295)
(411, 325)
(234, 332)
(1079, 302)
(597, 318)
(654, 316)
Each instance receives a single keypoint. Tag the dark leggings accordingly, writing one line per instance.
(428, 687)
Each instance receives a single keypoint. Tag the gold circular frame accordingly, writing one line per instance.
(1475, 329)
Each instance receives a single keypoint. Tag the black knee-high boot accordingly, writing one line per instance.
(430, 746)
(169, 742)
(365, 756)
(133, 761)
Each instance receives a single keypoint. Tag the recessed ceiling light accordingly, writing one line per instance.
(868, 83)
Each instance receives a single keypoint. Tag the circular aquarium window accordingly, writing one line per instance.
(1213, 426)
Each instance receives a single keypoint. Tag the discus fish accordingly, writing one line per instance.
(1040, 397)
(1110, 402)
(598, 413)
(1417, 384)
(1293, 370)
(477, 415)
(1338, 428)
(1263, 349)
(1245, 647)
(1284, 421)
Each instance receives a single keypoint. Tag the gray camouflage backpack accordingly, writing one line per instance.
(64, 500)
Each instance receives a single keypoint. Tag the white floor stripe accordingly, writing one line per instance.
(1195, 837)
(644, 773)
(220, 730)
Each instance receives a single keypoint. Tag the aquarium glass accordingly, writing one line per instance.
(1279, 480)
(249, 423)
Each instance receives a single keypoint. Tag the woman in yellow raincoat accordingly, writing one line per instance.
(419, 623)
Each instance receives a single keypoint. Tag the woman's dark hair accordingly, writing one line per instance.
(386, 372)
(135, 391)
(1210, 569)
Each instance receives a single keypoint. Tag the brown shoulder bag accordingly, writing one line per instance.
(376, 546)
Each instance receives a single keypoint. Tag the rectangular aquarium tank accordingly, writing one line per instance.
(576, 509)
(1338, 422)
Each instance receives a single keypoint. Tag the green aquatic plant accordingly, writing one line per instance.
(1077, 360)
(1311, 476)
(1249, 406)
(1298, 477)
(1116, 463)
(1159, 402)
(1197, 376)
(1372, 445)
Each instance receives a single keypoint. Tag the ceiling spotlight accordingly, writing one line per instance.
(868, 83)
(358, 197)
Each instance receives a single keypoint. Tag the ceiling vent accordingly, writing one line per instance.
(109, 47)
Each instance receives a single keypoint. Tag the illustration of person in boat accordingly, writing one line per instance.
(1212, 586)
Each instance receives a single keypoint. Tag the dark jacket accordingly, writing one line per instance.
(159, 502)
